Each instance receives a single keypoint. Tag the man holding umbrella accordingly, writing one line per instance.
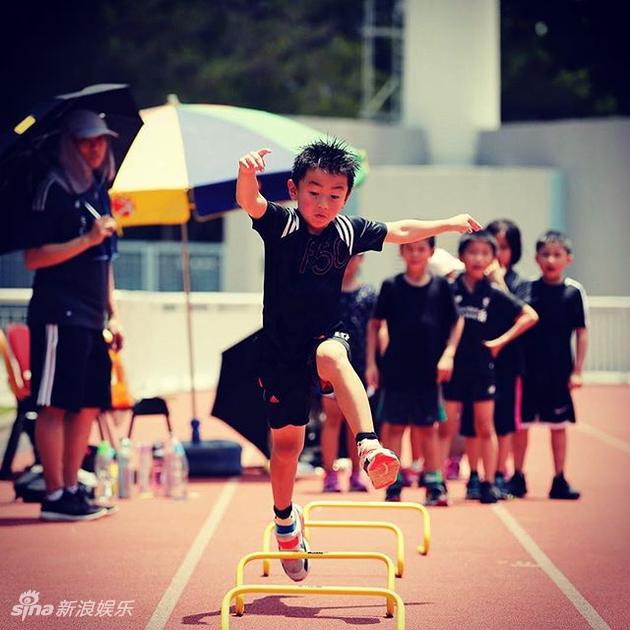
(71, 304)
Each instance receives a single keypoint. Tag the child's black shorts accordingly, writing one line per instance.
(548, 400)
(417, 408)
(507, 407)
(470, 386)
(287, 381)
(70, 366)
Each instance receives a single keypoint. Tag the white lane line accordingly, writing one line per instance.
(180, 579)
(557, 577)
(611, 440)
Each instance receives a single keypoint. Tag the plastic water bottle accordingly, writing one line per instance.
(104, 491)
(125, 468)
(145, 461)
(178, 471)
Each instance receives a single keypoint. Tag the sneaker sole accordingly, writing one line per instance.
(56, 517)
(383, 470)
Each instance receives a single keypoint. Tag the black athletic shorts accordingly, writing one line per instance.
(470, 386)
(507, 407)
(287, 381)
(418, 408)
(548, 400)
(70, 367)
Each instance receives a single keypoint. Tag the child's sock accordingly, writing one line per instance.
(366, 436)
(55, 495)
(433, 477)
(284, 516)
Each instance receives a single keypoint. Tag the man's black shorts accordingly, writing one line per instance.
(70, 366)
(287, 381)
(547, 400)
(418, 408)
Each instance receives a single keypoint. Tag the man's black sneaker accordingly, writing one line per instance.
(392, 493)
(86, 495)
(488, 492)
(502, 485)
(472, 487)
(436, 495)
(560, 489)
(517, 485)
(69, 507)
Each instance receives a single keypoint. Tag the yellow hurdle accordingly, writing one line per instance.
(281, 589)
(314, 555)
(400, 540)
(423, 548)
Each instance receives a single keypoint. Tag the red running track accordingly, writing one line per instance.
(530, 563)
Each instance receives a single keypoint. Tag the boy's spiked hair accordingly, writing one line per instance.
(512, 236)
(554, 236)
(482, 236)
(330, 155)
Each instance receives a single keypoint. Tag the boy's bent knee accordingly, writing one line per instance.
(331, 357)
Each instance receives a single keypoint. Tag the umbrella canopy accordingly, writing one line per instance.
(29, 150)
(186, 156)
(238, 400)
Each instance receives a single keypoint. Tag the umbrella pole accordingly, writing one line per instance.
(191, 361)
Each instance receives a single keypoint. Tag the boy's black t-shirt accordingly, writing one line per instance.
(488, 313)
(304, 271)
(561, 309)
(419, 322)
(510, 359)
(73, 292)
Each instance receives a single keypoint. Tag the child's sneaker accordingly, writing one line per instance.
(331, 482)
(488, 492)
(473, 487)
(291, 538)
(436, 495)
(69, 507)
(394, 490)
(452, 468)
(379, 463)
(356, 485)
(517, 485)
(502, 486)
(560, 489)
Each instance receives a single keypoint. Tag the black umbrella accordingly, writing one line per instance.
(28, 151)
(239, 401)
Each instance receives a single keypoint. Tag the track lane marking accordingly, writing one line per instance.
(579, 602)
(172, 594)
(608, 439)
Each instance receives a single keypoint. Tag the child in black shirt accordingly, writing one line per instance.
(306, 252)
(550, 369)
(493, 318)
(424, 329)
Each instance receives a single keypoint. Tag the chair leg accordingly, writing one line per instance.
(168, 424)
(133, 419)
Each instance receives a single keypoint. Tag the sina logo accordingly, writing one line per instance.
(28, 606)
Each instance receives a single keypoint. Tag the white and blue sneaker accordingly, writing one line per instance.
(290, 537)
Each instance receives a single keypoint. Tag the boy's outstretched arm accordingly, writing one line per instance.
(527, 318)
(411, 230)
(248, 194)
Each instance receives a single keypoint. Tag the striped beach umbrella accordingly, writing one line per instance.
(185, 159)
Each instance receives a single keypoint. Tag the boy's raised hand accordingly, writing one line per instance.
(254, 161)
(465, 223)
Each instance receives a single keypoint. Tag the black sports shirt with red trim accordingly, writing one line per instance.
(304, 271)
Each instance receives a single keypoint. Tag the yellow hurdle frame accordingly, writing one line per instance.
(280, 589)
(400, 540)
(314, 555)
(423, 548)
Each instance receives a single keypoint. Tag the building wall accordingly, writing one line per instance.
(594, 156)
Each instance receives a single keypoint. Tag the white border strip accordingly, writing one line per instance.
(557, 577)
(608, 439)
(172, 594)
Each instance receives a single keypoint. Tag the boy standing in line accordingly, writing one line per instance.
(424, 330)
(493, 318)
(306, 252)
(550, 369)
